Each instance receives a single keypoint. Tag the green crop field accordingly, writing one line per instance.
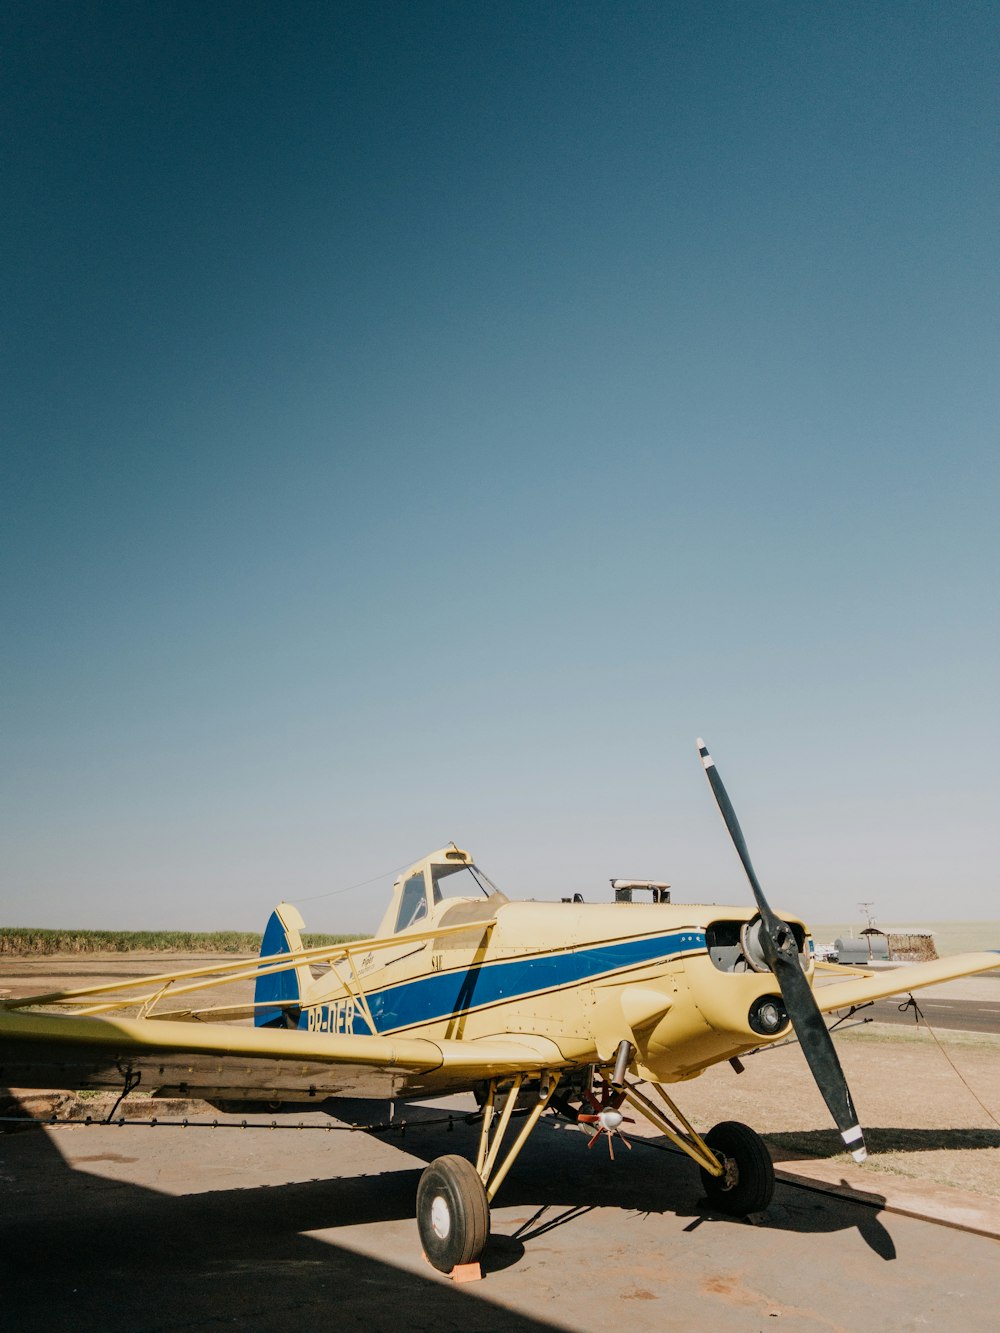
(27, 940)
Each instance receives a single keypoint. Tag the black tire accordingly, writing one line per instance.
(748, 1183)
(453, 1213)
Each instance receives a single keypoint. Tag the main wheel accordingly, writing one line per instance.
(453, 1213)
(747, 1183)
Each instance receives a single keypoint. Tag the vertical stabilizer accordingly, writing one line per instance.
(283, 989)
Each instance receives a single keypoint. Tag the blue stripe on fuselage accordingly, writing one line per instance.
(438, 995)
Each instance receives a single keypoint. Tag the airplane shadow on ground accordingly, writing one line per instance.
(95, 1255)
(557, 1172)
(826, 1143)
(86, 1252)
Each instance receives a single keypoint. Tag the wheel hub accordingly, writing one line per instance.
(440, 1217)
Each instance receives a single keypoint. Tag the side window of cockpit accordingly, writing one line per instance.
(413, 904)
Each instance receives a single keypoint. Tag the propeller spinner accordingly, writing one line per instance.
(780, 951)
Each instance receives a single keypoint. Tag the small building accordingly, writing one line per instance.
(869, 946)
(897, 944)
(911, 944)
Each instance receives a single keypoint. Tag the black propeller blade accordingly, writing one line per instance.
(781, 953)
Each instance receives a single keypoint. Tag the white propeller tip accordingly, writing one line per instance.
(854, 1142)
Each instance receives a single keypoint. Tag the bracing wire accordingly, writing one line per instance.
(919, 1016)
(362, 884)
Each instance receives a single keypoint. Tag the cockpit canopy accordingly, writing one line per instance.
(419, 890)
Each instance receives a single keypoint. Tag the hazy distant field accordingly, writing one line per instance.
(26, 941)
(949, 936)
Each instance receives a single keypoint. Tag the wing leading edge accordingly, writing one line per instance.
(899, 980)
(216, 1060)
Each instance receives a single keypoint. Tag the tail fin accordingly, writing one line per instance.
(281, 988)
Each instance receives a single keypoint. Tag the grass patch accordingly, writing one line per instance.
(898, 1034)
(24, 941)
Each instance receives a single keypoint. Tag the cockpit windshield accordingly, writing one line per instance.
(444, 875)
(466, 881)
(447, 881)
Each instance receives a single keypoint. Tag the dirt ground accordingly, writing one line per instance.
(930, 1105)
(918, 1101)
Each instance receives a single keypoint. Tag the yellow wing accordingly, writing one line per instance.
(899, 980)
(215, 1060)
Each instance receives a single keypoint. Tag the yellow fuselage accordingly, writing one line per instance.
(586, 976)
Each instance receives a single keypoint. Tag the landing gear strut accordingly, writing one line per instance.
(734, 1162)
(454, 1197)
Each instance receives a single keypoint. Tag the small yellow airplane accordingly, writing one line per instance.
(578, 1008)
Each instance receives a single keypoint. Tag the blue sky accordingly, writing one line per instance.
(421, 421)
